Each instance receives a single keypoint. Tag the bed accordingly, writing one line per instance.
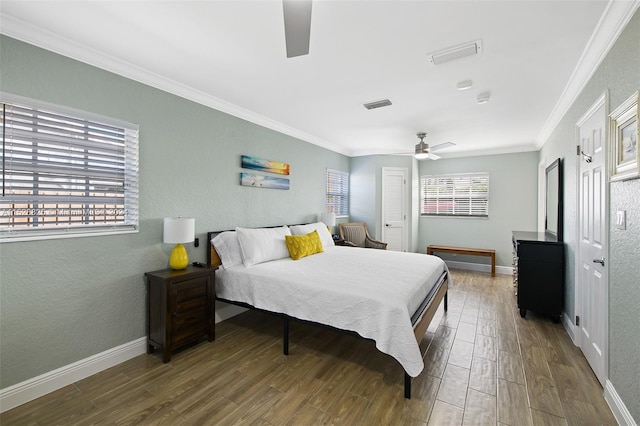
(387, 296)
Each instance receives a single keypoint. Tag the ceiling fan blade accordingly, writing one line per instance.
(432, 156)
(297, 26)
(442, 146)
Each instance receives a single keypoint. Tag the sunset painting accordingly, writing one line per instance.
(263, 165)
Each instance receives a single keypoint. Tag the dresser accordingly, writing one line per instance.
(180, 308)
(538, 273)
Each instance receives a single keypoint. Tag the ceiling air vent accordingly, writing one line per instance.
(457, 52)
(378, 104)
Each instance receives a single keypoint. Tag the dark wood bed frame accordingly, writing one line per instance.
(420, 319)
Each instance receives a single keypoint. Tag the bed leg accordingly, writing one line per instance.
(445, 301)
(285, 335)
(407, 386)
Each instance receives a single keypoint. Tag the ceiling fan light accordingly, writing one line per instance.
(422, 151)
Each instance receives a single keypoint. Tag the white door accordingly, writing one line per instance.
(591, 273)
(394, 210)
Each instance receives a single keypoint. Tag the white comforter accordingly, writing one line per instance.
(371, 292)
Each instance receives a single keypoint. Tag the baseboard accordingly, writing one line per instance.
(569, 327)
(480, 267)
(619, 410)
(36, 387)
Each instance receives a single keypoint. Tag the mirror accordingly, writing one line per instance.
(553, 201)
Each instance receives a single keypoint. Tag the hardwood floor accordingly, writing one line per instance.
(484, 365)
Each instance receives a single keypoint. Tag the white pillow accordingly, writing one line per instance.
(323, 232)
(228, 248)
(262, 244)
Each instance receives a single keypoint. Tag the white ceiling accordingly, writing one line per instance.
(230, 55)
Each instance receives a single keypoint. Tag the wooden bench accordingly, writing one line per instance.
(468, 251)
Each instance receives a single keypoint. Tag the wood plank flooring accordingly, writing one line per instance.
(484, 365)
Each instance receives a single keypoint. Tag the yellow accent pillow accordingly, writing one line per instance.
(300, 246)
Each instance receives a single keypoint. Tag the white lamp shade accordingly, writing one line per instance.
(328, 219)
(178, 230)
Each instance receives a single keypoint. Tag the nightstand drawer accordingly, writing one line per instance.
(187, 291)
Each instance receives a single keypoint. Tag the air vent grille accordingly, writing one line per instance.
(377, 104)
(457, 52)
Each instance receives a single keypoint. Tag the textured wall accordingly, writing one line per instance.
(65, 300)
(366, 190)
(619, 75)
(513, 180)
(624, 295)
(512, 205)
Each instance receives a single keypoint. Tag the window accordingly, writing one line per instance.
(65, 172)
(337, 192)
(455, 195)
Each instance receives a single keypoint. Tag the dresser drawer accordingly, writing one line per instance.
(541, 253)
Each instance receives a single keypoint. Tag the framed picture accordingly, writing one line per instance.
(255, 163)
(624, 140)
(261, 181)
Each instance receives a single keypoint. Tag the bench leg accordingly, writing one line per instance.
(493, 265)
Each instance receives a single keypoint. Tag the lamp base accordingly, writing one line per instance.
(179, 258)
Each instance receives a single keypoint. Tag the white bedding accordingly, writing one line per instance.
(371, 292)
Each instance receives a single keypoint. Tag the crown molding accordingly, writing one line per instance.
(615, 17)
(29, 33)
(611, 24)
(447, 155)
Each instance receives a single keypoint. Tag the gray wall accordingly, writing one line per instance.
(513, 185)
(619, 73)
(624, 296)
(65, 300)
(365, 198)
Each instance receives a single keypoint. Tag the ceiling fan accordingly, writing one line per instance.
(297, 26)
(424, 152)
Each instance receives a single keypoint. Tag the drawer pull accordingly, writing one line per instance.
(600, 261)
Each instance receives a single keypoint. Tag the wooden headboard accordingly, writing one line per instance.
(212, 256)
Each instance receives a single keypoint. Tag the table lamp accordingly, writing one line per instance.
(179, 230)
(328, 219)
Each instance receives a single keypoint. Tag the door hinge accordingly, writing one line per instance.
(577, 320)
(578, 150)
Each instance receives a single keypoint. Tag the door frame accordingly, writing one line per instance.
(405, 204)
(603, 100)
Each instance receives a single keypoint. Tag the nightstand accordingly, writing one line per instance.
(180, 308)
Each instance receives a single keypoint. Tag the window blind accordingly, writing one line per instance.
(455, 195)
(337, 192)
(66, 172)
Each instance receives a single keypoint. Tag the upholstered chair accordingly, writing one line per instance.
(357, 234)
